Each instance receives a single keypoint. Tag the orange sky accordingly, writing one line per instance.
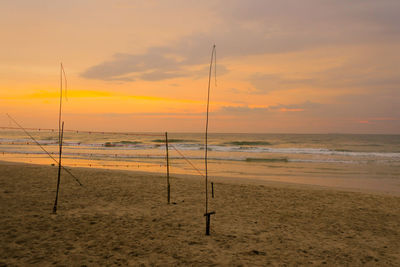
(289, 66)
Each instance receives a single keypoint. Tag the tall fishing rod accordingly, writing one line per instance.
(22, 128)
(206, 137)
(62, 72)
(207, 214)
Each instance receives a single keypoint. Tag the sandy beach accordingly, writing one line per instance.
(122, 218)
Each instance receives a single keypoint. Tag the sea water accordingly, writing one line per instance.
(341, 160)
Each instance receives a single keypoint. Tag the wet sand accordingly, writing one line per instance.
(122, 218)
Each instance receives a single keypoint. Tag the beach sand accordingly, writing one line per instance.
(122, 218)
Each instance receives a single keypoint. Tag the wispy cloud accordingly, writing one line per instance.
(258, 27)
(246, 110)
(157, 64)
(265, 83)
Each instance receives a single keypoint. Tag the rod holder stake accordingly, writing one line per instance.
(208, 221)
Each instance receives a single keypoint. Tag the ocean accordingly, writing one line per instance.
(356, 161)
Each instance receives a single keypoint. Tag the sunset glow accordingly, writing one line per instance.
(297, 67)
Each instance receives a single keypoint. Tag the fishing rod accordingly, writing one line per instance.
(22, 128)
(187, 160)
(208, 214)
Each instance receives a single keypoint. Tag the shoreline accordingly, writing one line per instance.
(365, 185)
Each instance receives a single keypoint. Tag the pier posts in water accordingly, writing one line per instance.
(59, 167)
(212, 189)
(168, 184)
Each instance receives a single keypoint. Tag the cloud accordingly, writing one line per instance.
(376, 72)
(307, 105)
(158, 75)
(264, 83)
(153, 65)
(159, 63)
(258, 27)
(365, 16)
(246, 110)
(241, 110)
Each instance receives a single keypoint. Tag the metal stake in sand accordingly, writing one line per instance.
(168, 184)
(59, 168)
(208, 214)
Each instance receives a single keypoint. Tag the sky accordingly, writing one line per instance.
(310, 66)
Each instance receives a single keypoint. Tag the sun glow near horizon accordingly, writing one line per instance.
(278, 68)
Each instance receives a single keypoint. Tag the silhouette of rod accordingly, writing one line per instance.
(168, 184)
(206, 137)
(208, 214)
(59, 168)
(22, 128)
